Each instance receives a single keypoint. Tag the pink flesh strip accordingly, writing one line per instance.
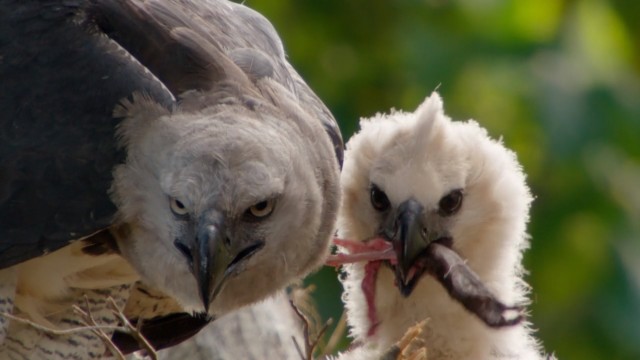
(375, 243)
(369, 290)
(341, 259)
(359, 251)
(373, 252)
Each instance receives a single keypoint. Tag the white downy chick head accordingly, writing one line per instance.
(420, 178)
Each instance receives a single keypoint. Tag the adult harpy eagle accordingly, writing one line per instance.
(425, 195)
(216, 180)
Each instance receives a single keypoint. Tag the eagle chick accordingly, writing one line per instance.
(448, 201)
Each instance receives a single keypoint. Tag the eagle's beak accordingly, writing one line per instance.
(212, 255)
(215, 256)
(410, 237)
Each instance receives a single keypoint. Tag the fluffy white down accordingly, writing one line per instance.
(424, 154)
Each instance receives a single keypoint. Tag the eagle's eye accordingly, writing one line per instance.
(178, 208)
(379, 199)
(450, 203)
(261, 209)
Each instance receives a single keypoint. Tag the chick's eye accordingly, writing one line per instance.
(379, 199)
(262, 209)
(450, 203)
(178, 207)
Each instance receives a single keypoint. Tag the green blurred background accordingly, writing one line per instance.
(559, 80)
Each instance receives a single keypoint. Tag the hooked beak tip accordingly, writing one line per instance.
(205, 293)
(210, 287)
(210, 256)
(219, 264)
(205, 303)
(410, 239)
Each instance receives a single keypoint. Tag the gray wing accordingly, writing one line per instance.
(60, 79)
(242, 34)
(257, 42)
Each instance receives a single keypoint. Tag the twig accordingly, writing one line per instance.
(411, 345)
(295, 343)
(91, 325)
(310, 346)
(87, 318)
(336, 336)
(323, 330)
(305, 332)
(61, 332)
(132, 330)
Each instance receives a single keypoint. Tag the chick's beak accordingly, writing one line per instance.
(410, 237)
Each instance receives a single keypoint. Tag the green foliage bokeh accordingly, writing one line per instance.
(559, 80)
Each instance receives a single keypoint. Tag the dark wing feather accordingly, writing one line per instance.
(60, 80)
(162, 332)
(152, 33)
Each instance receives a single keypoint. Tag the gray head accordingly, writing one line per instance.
(224, 205)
